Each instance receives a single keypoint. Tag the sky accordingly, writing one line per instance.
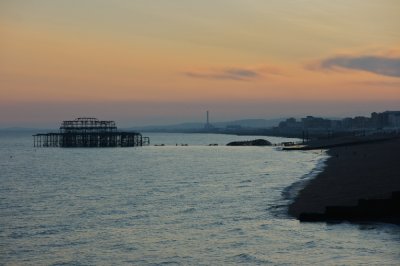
(142, 62)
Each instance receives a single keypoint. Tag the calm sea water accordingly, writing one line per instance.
(178, 205)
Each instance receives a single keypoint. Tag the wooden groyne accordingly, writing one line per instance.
(377, 210)
(89, 132)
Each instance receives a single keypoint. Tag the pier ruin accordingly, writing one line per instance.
(89, 132)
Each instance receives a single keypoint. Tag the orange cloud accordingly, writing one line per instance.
(234, 73)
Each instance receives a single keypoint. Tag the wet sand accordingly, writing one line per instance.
(363, 171)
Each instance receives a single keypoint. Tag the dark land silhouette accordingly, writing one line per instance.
(310, 127)
(357, 184)
(256, 142)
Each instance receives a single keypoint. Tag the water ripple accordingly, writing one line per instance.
(194, 205)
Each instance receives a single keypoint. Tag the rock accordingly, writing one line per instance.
(256, 142)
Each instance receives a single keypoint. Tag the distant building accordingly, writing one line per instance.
(336, 124)
(290, 123)
(361, 122)
(377, 121)
(386, 119)
(347, 123)
(316, 122)
(393, 118)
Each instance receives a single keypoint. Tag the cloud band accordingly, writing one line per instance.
(385, 66)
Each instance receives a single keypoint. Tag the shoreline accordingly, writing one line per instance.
(352, 172)
(291, 192)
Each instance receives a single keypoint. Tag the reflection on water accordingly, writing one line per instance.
(169, 204)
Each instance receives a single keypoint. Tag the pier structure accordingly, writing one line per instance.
(89, 132)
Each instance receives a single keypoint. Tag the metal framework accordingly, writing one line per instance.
(89, 132)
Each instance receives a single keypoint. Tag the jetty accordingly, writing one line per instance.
(89, 132)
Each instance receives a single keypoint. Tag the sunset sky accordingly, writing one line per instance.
(143, 62)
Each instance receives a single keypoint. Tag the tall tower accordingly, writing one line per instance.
(208, 125)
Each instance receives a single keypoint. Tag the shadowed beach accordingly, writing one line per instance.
(354, 172)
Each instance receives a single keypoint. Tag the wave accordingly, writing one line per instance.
(290, 192)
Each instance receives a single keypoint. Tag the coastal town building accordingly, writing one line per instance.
(378, 122)
(394, 118)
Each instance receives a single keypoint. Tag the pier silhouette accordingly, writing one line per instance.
(89, 132)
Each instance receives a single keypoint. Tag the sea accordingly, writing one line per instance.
(184, 203)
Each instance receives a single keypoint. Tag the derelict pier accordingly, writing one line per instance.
(89, 132)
